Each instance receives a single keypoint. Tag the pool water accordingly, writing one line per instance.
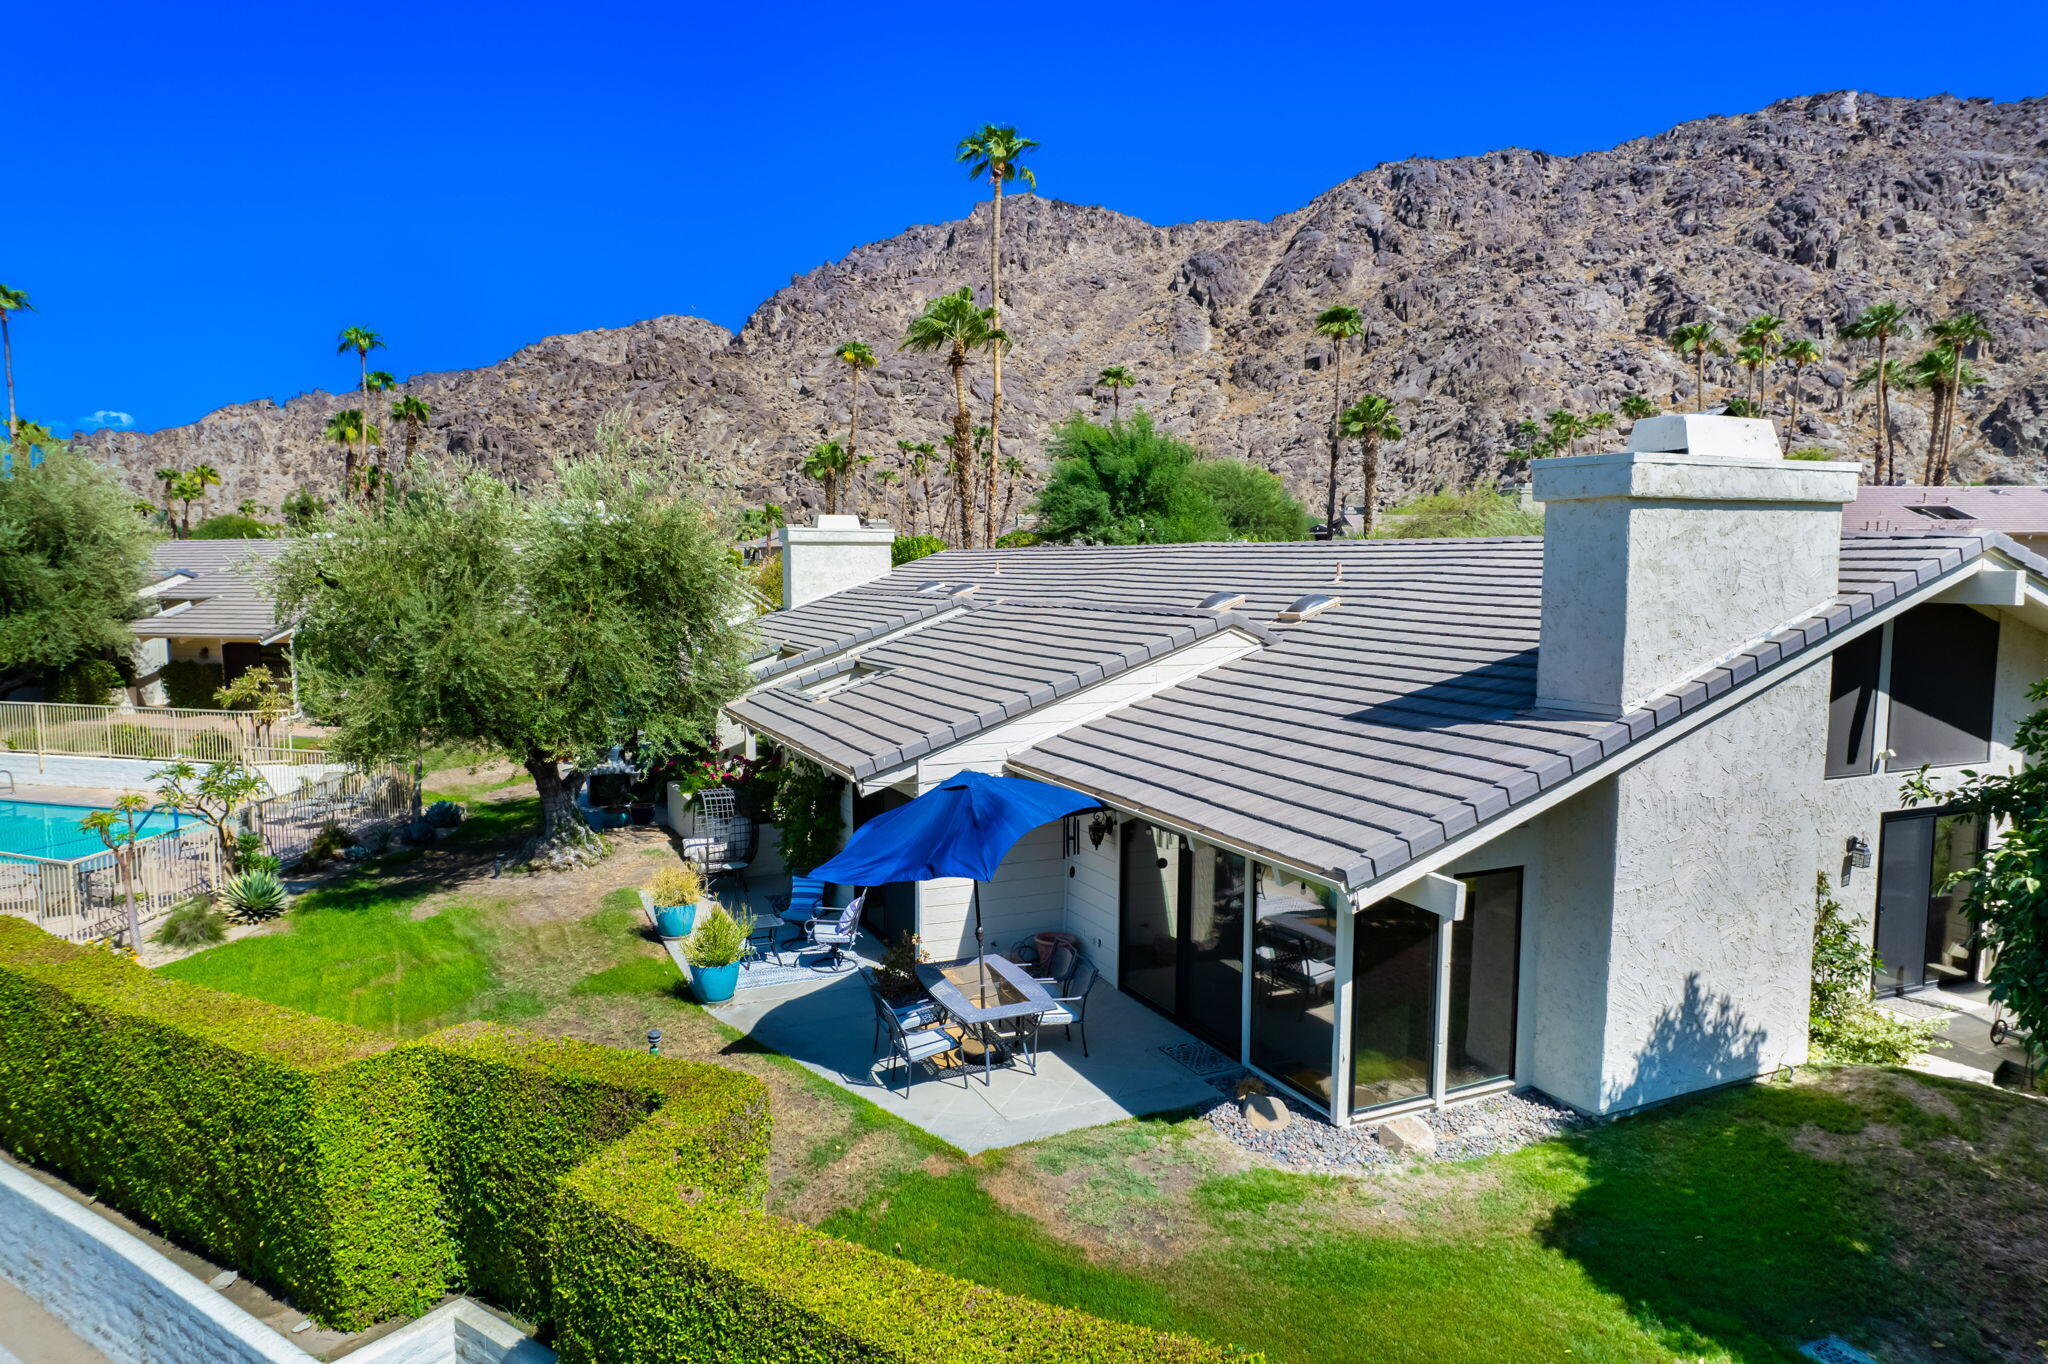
(41, 830)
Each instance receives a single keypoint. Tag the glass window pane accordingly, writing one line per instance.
(1852, 705)
(1393, 997)
(1944, 674)
(1150, 963)
(1485, 962)
(1294, 948)
(1214, 999)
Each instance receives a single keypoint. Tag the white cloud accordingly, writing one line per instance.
(120, 421)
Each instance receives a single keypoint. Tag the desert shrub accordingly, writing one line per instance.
(1808, 452)
(190, 684)
(251, 855)
(1017, 539)
(443, 814)
(254, 895)
(195, 923)
(331, 842)
(719, 939)
(909, 547)
(676, 886)
(270, 1139)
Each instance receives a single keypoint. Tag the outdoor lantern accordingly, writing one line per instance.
(1099, 827)
(1859, 851)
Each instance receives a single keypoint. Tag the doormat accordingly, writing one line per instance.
(1199, 1057)
(1835, 1350)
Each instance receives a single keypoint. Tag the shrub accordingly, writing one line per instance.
(909, 547)
(896, 977)
(1808, 452)
(272, 1140)
(254, 895)
(443, 814)
(84, 682)
(1017, 539)
(195, 923)
(718, 941)
(676, 886)
(139, 741)
(806, 809)
(251, 855)
(190, 684)
(1842, 1022)
(328, 844)
(232, 526)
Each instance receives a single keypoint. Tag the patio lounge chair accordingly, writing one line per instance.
(838, 934)
(1071, 1011)
(915, 1046)
(799, 906)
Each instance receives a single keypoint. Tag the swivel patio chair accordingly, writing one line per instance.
(1070, 1011)
(914, 1046)
(837, 934)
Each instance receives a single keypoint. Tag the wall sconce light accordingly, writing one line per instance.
(1099, 828)
(1859, 851)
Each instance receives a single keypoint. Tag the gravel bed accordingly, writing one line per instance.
(1484, 1127)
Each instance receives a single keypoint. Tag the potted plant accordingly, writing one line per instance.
(714, 953)
(675, 892)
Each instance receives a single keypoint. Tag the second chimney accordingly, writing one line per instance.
(835, 554)
(1663, 559)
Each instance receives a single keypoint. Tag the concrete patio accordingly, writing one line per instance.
(827, 1024)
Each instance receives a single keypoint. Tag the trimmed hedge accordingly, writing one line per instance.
(275, 1141)
(611, 1195)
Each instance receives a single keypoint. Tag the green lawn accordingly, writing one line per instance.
(1730, 1228)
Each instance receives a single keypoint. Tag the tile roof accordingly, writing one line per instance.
(1362, 738)
(2012, 511)
(227, 595)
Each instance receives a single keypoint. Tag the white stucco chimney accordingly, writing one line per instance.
(831, 556)
(1664, 558)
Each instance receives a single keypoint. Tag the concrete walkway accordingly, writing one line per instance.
(828, 1025)
(1970, 1054)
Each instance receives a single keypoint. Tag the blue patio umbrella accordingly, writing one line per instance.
(962, 827)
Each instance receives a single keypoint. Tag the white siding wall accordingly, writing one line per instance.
(1093, 912)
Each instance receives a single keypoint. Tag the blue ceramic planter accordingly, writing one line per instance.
(675, 921)
(715, 984)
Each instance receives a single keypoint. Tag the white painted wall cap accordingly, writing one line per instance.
(1699, 434)
(1652, 475)
(835, 533)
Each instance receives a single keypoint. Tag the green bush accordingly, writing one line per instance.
(909, 547)
(190, 684)
(195, 923)
(232, 526)
(274, 1141)
(84, 682)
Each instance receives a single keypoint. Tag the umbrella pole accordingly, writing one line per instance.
(980, 956)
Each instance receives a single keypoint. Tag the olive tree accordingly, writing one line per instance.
(548, 626)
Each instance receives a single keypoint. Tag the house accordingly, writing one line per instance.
(215, 618)
(1362, 833)
(2017, 512)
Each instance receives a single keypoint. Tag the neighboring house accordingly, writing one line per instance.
(1364, 835)
(2021, 513)
(214, 613)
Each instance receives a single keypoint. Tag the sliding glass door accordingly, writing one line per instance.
(1294, 986)
(1183, 930)
(1149, 964)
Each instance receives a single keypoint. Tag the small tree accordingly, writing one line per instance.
(257, 691)
(550, 626)
(2008, 887)
(116, 829)
(215, 796)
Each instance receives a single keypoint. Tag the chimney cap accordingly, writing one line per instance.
(1700, 433)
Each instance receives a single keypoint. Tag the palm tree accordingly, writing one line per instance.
(345, 428)
(1369, 421)
(1956, 333)
(830, 462)
(919, 454)
(1116, 379)
(1600, 421)
(993, 151)
(362, 341)
(1763, 331)
(856, 356)
(187, 489)
(1797, 354)
(953, 324)
(1566, 427)
(1696, 341)
(1637, 406)
(1013, 474)
(1339, 324)
(167, 477)
(1888, 376)
(888, 478)
(1939, 371)
(11, 301)
(1752, 358)
(414, 412)
(1880, 322)
(251, 508)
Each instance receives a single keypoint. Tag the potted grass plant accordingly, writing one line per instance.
(714, 953)
(675, 892)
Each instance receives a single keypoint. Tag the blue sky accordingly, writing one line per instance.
(203, 195)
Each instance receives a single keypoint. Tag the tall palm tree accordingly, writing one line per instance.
(1940, 373)
(1369, 421)
(1116, 379)
(992, 151)
(918, 455)
(187, 489)
(889, 479)
(832, 464)
(1797, 355)
(1880, 322)
(168, 477)
(1637, 406)
(362, 341)
(1891, 374)
(1339, 324)
(1696, 341)
(414, 412)
(1013, 476)
(11, 301)
(251, 508)
(1752, 358)
(1764, 331)
(346, 428)
(856, 356)
(1956, 333)
(951, 323)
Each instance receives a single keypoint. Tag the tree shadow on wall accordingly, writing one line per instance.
(1702, 1215)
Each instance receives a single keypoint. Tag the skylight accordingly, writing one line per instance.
(1942, 511)
(1220, 601)
(1309, 604)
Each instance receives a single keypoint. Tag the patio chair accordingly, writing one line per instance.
(914, 1046)
(799, 906)
(1059, 971)
(838, 934)
(722, 836)
(1070, 1011)
(921, 1014)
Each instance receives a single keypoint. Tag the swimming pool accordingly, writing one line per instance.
(40, 830)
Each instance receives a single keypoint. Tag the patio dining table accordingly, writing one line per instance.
(975, 1000)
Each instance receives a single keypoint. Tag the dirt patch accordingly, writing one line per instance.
(1118, 1193)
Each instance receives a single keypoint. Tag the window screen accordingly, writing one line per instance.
(1944, 670)
(1852, 706)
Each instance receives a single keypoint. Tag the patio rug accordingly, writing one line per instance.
(787, 968)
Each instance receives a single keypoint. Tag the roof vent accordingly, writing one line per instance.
(1311, 604)
(1220, 601)
(945, 589)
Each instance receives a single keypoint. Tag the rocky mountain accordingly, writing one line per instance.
(1494, 288)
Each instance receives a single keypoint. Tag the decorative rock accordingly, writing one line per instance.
(1408, 1135)
(223, 1279)
(1265, 1113)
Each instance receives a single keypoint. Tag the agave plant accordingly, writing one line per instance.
(254, 895)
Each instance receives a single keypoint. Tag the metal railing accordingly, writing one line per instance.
(146, 732)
